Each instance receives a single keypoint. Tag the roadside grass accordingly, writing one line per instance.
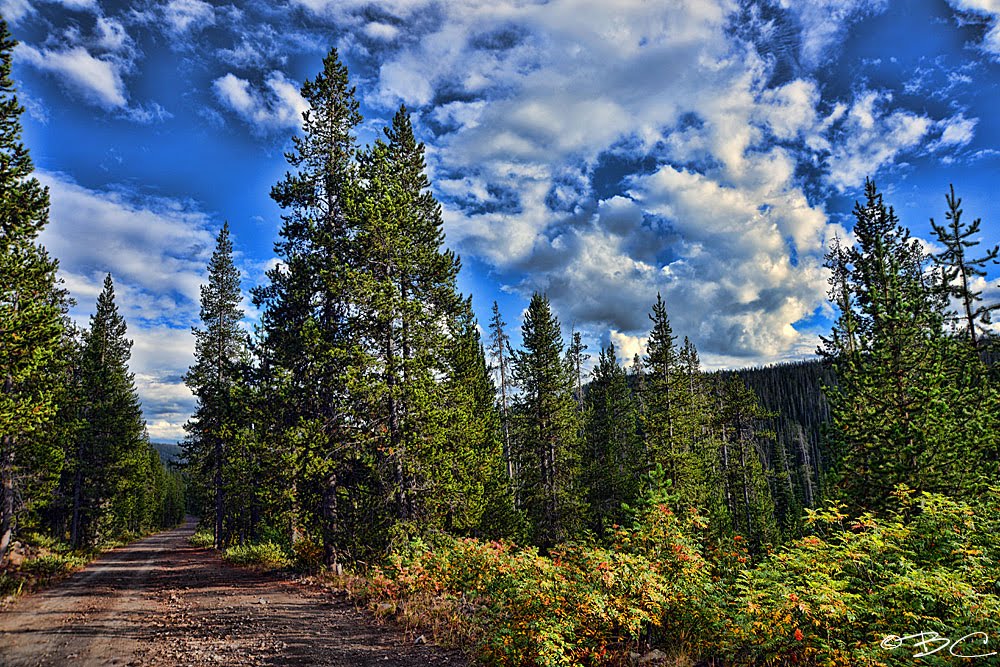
(37, 561)
(202, 539)
(264, 554)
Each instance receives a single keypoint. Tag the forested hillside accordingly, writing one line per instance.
(510, 499)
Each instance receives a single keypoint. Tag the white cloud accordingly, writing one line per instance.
(157, 251)
(111, 34)
(990, 10)
(15, 10)
(535, 97)
(160, 356)
(823, 23)
(873, 136)
(957, 130)
(382, 31)
(280, 107)
(340, 8)
(627, 347)
(98, 79)
(184, 16)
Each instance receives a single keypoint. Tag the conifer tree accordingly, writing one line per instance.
(546, 429)
(661, 399)
(576, 358)
(500, 350)
(305, 342)
(214, 379)
(31, 307)
(112, 445)
(748, 501)
(470, 480)
(404, 291)
(614, 460)
(959, 269)
(898, 413)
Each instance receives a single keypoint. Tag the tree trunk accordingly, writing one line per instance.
(331, 556)
(6, 490)
(220, 499)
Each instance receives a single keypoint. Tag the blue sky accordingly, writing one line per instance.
(599, 151)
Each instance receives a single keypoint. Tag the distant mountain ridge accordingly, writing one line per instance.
(170, 452)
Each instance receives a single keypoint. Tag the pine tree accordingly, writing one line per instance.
(31, 307)
(405, 296)
(614, 460)
(661, 401)
(112, 444)
(214, 379)
(897, 408)
(576, 358)
(500, 350)
(958, 270)
(749, 505)
(305, 342)
(470, 480)
(546, 429)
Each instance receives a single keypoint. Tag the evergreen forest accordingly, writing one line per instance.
(539, 505)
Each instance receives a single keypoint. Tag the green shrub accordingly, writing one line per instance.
(203, 539)
(10, 584)
(51, 565)
(266, 554)
(308, 555)
(832, 598)
(577, 605)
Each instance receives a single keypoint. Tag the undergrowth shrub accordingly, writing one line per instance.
(578, 605)
(265, 554)
(843, 595)
(51, 565)
(837, 597)
(308, 555)
(203, 539)
(10, 584)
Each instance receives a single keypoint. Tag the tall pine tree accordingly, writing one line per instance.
(215, 379)
(405, 304)
(898, 413)
(305, 342)
(112, 444)
(614, 460)
(31, 307)
(959, 270)
(546, 429)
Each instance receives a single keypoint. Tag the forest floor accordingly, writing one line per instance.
(161, 601)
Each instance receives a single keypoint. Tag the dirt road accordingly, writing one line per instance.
(161, 601)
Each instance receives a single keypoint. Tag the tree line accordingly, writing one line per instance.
(366, 409)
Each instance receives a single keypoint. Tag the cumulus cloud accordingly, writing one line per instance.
(550, 91)
(280, 106)
(99, 79)
(183, 16)
(873, 136)
(534, 104)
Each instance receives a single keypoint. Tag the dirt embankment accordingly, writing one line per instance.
(161, 601)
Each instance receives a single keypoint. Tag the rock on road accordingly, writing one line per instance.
(161, 601)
